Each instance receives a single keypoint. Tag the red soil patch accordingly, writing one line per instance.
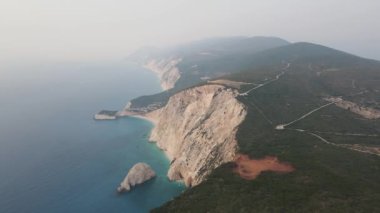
(249, 169)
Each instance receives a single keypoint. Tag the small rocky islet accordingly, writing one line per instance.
(106, 115)
(138, 174)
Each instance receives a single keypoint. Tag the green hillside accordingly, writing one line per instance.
(223, 57)
(330, 176)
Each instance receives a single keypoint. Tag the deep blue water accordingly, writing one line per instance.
(55, 158)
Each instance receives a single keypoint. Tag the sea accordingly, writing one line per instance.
(54, 157)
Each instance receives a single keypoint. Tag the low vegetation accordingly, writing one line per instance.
(327, 178)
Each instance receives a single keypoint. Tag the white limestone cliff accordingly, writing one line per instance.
(197, 130)
(166, 69)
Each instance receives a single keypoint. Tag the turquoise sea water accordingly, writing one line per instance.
(55, 158)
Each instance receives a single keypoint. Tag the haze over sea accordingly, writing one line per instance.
(55, 158)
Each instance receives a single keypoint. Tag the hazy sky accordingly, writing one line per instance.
(111, 29)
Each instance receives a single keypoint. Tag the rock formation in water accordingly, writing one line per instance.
(138, 174)
(166, 70)
(106, 115)
(197, 131)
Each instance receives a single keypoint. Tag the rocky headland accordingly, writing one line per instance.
(166, 69)
(196, 129)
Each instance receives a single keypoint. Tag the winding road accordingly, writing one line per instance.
(312, 133)
(282, 126)
(268, 82)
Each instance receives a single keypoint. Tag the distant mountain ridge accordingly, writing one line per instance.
(193, 60)
(222, 45)
(195, 69)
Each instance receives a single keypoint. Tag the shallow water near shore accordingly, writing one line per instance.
(55, 158)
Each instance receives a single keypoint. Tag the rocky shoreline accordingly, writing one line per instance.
(166, 69)
(191, 128)
(192, 131)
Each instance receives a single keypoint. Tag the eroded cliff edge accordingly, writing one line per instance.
(166, 69)
(197, 130)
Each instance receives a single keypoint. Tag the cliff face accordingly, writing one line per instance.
(197, 131)
(166, 70)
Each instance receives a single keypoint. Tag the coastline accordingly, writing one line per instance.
(189, 159)
(184, 130)
(148, 116)
(144, 117)
(103, 150)
(166, 70)
(151, 118)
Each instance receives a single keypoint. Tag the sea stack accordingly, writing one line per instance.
(138, 174)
